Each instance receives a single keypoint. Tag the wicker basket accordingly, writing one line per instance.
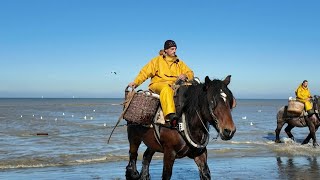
(295, 107)
(142, 108)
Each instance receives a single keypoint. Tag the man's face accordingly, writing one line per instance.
(171, 51)
(305, 84)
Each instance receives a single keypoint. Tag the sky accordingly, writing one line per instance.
(69, 48)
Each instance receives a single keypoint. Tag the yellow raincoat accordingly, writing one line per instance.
(303, 94)
(163, 71)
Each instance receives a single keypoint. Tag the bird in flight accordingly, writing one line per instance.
(113, 72)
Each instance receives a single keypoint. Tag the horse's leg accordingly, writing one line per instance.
(280, 123)
(134, 141)
(169, 156)
(147, 156)
(201, 162)
(288, 131)
(311, 121)
(306, 141)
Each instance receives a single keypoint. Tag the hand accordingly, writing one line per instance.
(132, 85)
(182, 77)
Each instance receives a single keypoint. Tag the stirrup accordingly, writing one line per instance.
(180, 127)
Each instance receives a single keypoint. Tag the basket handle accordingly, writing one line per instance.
(127, 89)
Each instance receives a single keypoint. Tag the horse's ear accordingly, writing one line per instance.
(227, 80)
(207, 80)
(206, 83)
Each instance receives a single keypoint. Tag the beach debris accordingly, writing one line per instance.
(85, 117)
(42, 134)
(21, 116)
(251, 123)
(244, 117)
(40, 117)
(94, 110)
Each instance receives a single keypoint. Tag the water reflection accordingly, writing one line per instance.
(298, 168)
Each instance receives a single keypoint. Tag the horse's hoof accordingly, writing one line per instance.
(315, 145)
(145, 177)
(277, 141)
(132, 175)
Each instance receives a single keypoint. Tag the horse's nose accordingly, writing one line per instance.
(228, 133)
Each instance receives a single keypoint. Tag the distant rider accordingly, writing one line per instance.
(303, 95)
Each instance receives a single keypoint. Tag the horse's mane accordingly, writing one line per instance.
(196, 94)
(192, 96)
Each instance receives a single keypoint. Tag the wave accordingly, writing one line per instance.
(267, 148)
(69, 160)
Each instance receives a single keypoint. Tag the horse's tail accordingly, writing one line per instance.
(281, 114)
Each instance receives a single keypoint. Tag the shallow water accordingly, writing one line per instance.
(76, 145)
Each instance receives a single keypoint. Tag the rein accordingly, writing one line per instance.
(202, 122)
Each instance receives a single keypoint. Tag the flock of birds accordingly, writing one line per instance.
(245, 117)
(63, 114)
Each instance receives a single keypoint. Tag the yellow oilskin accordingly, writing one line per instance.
(164, 71)
(302, 95)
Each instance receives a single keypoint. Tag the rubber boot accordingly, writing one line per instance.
(173, 120)
(310, 113)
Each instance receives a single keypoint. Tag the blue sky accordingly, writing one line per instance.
(66, 48)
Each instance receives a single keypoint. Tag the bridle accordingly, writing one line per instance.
(213, 105)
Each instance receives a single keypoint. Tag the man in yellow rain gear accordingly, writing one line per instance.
(303, 95)
(164, 70)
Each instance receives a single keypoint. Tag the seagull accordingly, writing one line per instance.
(251, 123)
(244, 117)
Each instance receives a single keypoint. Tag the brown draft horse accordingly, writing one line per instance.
(205, 104)
(312, 122)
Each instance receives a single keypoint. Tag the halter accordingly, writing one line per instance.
(213, 104)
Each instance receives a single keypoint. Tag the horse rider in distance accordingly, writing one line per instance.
(303, 95)
(164, 70)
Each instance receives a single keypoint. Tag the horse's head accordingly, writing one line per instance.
(221, 102)
(316, 102)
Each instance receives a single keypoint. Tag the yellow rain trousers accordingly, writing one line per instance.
(163, 71)
(303, 94)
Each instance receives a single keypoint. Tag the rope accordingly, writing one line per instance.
(127, 102)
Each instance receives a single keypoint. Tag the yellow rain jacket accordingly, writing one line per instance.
(164, 72)
(303, 94)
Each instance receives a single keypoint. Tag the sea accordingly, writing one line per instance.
(52, 138)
